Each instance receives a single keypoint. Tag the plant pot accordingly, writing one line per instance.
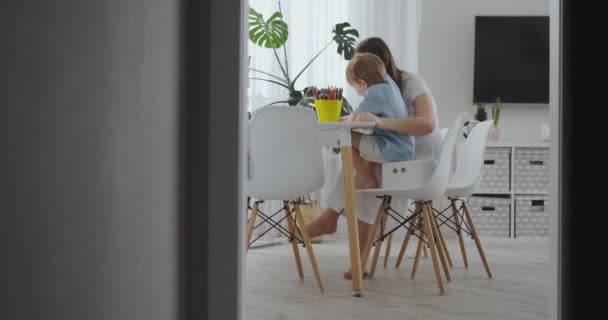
(328, 110)
(496, 134)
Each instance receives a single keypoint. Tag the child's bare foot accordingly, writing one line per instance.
(366, 184)
(348, 275)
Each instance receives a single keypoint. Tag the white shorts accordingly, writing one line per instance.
(369, 150)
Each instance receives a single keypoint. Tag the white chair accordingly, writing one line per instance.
(443, 132)
(285, 163)
(464, 183)
(421, 181)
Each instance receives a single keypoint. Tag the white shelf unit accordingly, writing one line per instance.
(512, 193)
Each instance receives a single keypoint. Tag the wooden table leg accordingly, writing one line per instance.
(351, 218)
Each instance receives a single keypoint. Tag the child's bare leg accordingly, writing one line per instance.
(367, 179)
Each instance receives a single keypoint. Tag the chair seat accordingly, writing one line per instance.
(405, 179)
(394, 192)
(459, 191)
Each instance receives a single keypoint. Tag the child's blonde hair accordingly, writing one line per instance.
(367, 67)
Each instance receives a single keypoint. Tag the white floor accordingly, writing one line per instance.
(517, 291)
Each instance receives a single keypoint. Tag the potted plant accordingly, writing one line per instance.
(497, 133)
(273, 34)
(480, 115)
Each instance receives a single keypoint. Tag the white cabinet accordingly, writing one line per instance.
(516, 179)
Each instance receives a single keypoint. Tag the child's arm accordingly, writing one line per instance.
(374, 102)
(367, 106)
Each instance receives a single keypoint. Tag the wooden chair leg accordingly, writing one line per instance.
(445, 247)
(459, 233)
(428, 226)
(308, 244)
(417, 257)
(372, 234)
(408, 234)
(425, 252)
(250, 224)
(294, 241)
(435, 238)
(477, 241)
(372, 270)
(389, 240)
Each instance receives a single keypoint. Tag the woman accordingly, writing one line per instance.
(421, 123)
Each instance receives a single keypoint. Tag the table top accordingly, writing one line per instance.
(520, 144)
(346, 125)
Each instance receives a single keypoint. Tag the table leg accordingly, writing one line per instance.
(351, 217)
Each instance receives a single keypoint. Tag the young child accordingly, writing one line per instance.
(381, 97)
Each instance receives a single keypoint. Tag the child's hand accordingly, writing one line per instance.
(363, 117)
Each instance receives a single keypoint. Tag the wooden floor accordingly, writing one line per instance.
(517, 291)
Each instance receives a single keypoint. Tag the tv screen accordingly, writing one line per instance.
(511, 59)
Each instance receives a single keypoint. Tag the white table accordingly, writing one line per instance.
(337, 134)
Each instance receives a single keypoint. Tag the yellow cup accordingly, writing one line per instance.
(328, 110)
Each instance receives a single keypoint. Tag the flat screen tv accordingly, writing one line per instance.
(511, 59)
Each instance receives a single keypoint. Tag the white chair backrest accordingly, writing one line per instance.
(470, 161)
(444, 132)
(285, 156)
(438, 183)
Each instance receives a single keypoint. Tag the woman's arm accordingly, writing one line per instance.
(422, 123)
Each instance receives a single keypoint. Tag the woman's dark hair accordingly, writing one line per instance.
(379, 48)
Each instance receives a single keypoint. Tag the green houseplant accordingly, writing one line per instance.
(496, 112)
(497, 133)
(273, 34)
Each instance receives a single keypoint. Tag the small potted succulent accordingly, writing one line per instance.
(480, 115)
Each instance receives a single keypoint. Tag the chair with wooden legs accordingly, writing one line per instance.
(421, 181)
(389, 241)
(464, 183)
(285, 163)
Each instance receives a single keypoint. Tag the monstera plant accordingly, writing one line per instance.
(273, 34)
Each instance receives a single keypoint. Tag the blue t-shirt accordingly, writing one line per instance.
(384, 100)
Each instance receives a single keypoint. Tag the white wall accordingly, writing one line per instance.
(446, 57)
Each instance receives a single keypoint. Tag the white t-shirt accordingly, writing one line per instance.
(428, 146)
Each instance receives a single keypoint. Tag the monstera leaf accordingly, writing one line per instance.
(271, 33)
(346, 40)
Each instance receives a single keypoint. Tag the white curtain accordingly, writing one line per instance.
(310, 22)
(397, 22)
